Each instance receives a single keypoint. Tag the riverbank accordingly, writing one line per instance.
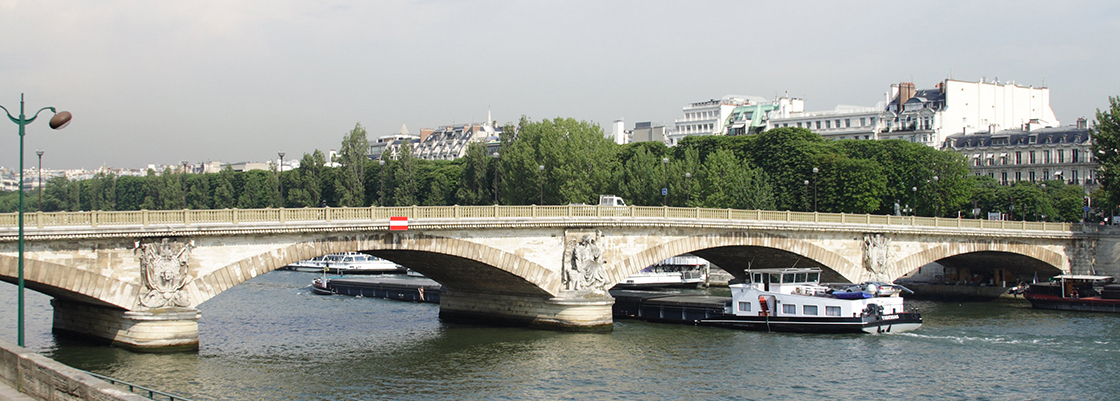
(25, 375)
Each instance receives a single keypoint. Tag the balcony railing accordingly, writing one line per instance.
(419, 213)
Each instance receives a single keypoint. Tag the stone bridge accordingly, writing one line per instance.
(136, 278)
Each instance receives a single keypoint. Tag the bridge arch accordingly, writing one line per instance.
(991, 250)
(478, 267)
(697, 245)
(70, 283)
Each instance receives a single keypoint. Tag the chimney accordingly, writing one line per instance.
(1082, 123)
(905, 92)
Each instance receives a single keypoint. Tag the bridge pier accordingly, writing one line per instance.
(575, 312)
(156, 330)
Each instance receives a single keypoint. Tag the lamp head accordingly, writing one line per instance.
(61, 120)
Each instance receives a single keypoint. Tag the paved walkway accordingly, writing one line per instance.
(7, 393)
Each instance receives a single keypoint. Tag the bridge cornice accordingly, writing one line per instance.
(143, 224)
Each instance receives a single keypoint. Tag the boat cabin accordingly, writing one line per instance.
(1072, 286)
(787, 281)
(797, 292)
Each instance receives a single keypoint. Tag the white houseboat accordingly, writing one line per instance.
(794, 300)
(685, 271)
(347, 263)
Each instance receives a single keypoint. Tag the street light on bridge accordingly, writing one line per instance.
(665, 189)
(39, 152)
(58, 121)
(280, 177)
(815, 171)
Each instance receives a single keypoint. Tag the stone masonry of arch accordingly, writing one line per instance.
(536, 278)
(842, 265)
(108, 270)
(846, 255)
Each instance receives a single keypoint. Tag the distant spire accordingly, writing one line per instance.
(404, 129)
(489, 119)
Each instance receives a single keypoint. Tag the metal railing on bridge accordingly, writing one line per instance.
(374, 213)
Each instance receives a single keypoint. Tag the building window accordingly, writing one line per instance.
(1074, 176)
(1031, 175)
(789, 309)
(744, 306)
(818, 125)
(1046, 156)
(1073, 156)
(1018, 157)
(832, 311)
(1018, 176)
(863, 121)
(1003, 160)
(1032, 157)
(1003, 178)
(827, 124)
(976, 161)
(799, 124)
(847, 123)
(810, 310)
(1061, 156)
(1046, 175)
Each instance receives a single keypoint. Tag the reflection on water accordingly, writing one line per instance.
(270, 338)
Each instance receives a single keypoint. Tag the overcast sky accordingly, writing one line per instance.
(166, 81)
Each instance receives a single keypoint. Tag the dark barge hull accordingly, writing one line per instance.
(709, 311)
(866, 324)
(1087, 304)
(410, 290)
(955, 293)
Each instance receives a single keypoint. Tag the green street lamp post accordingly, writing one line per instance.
(280, 177)
(39, 152)
(665, 189)
(58, 121)
(815, 171)
(540, 181)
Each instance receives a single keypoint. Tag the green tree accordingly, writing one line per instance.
(579, 163)
(729, 182)
(472, 188)
(225, 194)
(1106, 149)
(198, 191)
(405, 188)
(787, 155)
(352, 158)
(641, 177)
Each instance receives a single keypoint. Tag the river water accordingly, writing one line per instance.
(271, 339)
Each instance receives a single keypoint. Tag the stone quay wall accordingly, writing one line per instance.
(42, 378)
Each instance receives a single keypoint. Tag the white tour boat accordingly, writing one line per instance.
(794, 300)
(685, 271)
(347, 263)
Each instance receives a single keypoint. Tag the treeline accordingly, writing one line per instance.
(563, 161)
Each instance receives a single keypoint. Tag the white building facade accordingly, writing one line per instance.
(1034, 155)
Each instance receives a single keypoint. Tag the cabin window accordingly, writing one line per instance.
(775, 278)
(789, 309)
(832, 311)
(814, 277)
(788, 278)
(799, 278)
(744, 306)
(810, 310)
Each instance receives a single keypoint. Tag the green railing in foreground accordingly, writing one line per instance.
(373, 213)
(138, 389)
